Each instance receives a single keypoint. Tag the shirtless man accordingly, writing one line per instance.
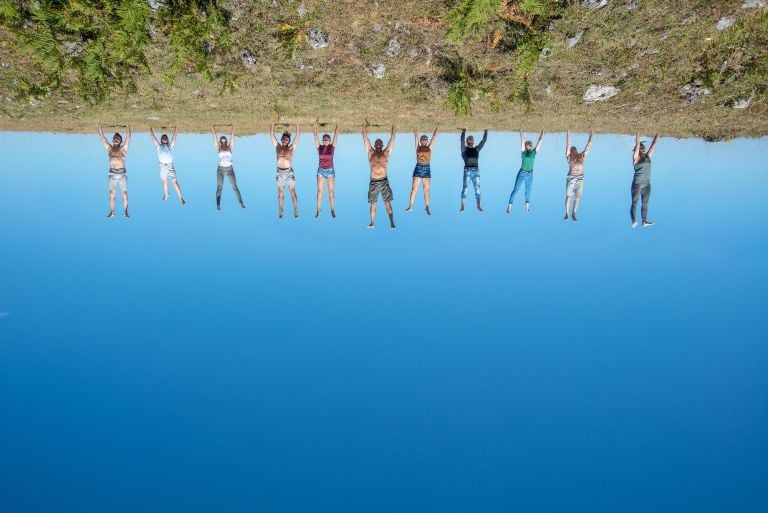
(117, 152)
(378, 158)
(285, 175)
(574, 182)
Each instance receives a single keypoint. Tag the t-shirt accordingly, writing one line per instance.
(165, 153)
(643, 170)
(326, 156)
(528, 157)
(225, 158)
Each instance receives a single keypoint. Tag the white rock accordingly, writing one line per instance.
(573, 41)
(393, 47)
(725, 22)
(248, 59)
(741, 104)
(545, 52)
(632, 5)
(302, 9)
(317, 38)
(694, 91)
(596, 93)
(34, 103)
(153, 118)
(377, 70)
(754, 4)
(594, 4)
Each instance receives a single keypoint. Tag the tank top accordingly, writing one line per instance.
(423, 155)
(643, 170)
(326, 156)
(225, 158)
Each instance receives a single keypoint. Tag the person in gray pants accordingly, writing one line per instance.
(641, 182)
(224, 149)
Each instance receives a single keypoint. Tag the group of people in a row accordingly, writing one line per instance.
(378, 158)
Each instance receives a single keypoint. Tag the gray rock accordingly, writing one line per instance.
(62, 102)
(393, 48)
(438, 85)
(725, 22)
(156, 4)
(754, 4)
(545, 52)
(548, 89)
(594, 4)
(207, 48)
(573, 41)
(693, 91)
(317, 38)
(247, 57)
(650, 51)
(376, 27)
(73, 48)
(632, 5)
(153, 118)
(303, 66)
(742, 104)
(302, 9)
(413, 52)
(377, 70)
(598, 93)
(34, 103)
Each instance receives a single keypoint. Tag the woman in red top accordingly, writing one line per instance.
(325, 170)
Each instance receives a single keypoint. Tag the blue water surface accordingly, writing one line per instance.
(193, 360)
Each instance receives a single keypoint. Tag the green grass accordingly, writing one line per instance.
(478, 60)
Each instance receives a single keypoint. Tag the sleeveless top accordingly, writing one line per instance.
(423, 155)
(643, 170)
(326, 156)
(225, 158)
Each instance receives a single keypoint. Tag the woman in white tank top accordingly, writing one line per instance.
(224, 149)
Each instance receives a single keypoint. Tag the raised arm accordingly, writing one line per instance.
(272, 135)
(127, 139)
(522, 141)
(589, 144)
(432, 141)
(173, 140)
(567, 144)
(416, 138)
(463, 137)
(391, 141)
(317, 141)
(296, 139)
(653, 145)
(215, 138)
(152, 135)
(335, 135)
(538, 143)
(366, 142)
(482, 142)
(232, 138)
(636, 151)
(104, 141)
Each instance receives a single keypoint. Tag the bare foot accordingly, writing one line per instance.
(111, 214)
(648, 223)
(333, 214)
(509, 208)
(527, 207)
(427, 209)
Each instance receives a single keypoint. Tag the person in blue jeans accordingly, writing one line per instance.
(471, 153)
(525, 175)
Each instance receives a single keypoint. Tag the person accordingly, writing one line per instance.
(285, 175)
(117, 152)
(224, 148)
(422, 172)
(525, 174)
(471, 154)
(165, 156)
(325, 169)
(641, 182)
(378, 158)
(574, 182)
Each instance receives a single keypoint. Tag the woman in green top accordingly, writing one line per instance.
(528, 154)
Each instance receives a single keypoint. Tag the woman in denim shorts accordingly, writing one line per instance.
(325, 170)
(422, 172)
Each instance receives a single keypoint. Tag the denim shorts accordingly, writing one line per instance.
(118, 178)
(422, 171)
(167, 172)
(574, 185)
(323, 172)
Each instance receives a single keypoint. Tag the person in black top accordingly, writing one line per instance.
(470, 153)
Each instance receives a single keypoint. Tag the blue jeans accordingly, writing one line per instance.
(473, 174)
(523, 176)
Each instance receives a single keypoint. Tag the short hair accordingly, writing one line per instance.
(118, 136)
(326, 135)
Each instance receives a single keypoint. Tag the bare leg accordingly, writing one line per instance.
(567, 207)
(414, 188)
(295, 200)
(332, 196)
(280, 198)
(125, 204)
(320, 186)
(391, 214)
(373, 215)
(425, 185)
(165, 190)
(111, 204)
(576, 201)
(178, 191)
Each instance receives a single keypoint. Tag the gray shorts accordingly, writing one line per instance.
(574, 185)
(285, 177)
(380, 186)
(118, 178)
(167, 172)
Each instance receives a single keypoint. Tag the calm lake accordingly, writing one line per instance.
(189, 359)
